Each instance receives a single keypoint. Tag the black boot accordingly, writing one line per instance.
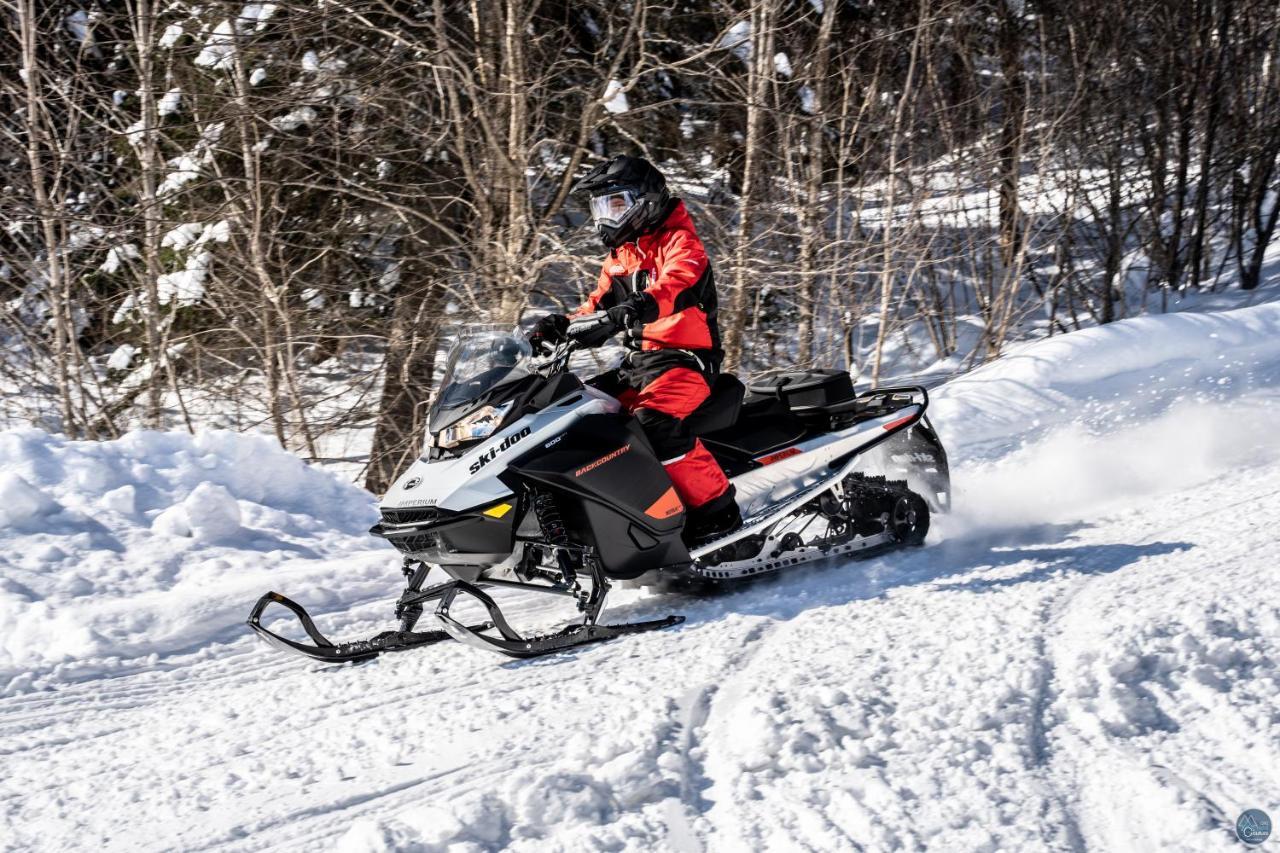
(717, 517)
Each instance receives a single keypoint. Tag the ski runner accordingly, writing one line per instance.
(657, 284)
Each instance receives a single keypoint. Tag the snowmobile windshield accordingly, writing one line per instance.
(483, 360)
(611, 208)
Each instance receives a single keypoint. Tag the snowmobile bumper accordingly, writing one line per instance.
(322, 649)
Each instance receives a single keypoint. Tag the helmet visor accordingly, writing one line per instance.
(611, 208)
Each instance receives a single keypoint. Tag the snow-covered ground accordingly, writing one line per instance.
(1085, 656)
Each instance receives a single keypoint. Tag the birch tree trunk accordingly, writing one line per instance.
(145, 143)
(49, 216)
(759, 73)
(811, 211)
(888, 263)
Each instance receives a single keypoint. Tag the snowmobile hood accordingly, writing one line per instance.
(471, 480)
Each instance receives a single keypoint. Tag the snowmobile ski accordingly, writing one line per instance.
(566, 638)
(514, 645)
(322, 649)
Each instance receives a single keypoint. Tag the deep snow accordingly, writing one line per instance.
(112, 553)
(1084, 656)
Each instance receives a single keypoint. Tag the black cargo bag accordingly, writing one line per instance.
(806, 389)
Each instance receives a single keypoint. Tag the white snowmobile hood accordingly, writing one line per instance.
(470, 480)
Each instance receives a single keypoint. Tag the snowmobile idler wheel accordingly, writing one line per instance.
(909, 519)
(791, 542)
(743, 549)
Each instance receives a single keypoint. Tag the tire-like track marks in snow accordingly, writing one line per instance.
(1146, 736)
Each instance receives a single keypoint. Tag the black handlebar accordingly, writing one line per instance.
(584, 332)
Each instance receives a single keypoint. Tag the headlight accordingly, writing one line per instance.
(478, 424)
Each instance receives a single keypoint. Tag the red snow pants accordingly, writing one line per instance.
(660, 405)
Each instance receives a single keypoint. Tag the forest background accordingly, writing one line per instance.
(269, 216)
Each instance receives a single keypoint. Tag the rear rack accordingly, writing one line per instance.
(882, 401)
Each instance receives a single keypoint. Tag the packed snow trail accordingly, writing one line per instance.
(1084, 657)
(1110, 682)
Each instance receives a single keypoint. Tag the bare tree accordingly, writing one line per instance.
(267, 215)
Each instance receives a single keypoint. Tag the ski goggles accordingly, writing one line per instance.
(612, 207)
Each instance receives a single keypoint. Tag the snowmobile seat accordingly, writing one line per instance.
(720, 409)
(764, 424)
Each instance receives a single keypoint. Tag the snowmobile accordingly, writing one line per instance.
(533, 480)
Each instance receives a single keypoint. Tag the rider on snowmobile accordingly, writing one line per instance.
(657, 284)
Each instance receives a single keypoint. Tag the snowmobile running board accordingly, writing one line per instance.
(324, 650)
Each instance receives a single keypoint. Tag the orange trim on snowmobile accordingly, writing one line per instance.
(666, 506)
(608, 457)
(779, 456)
(899, 422)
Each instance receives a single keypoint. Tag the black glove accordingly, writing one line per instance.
(638, 306)
(622, 316)
(547, 332)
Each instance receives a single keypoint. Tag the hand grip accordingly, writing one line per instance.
(589, 323)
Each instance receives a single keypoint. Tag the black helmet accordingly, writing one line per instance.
(629, 197)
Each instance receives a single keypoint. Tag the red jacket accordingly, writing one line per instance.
(679, 280)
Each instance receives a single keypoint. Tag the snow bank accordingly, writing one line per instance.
(1072, 425)
(153, 542)
(1108, 375)
(22, 503)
